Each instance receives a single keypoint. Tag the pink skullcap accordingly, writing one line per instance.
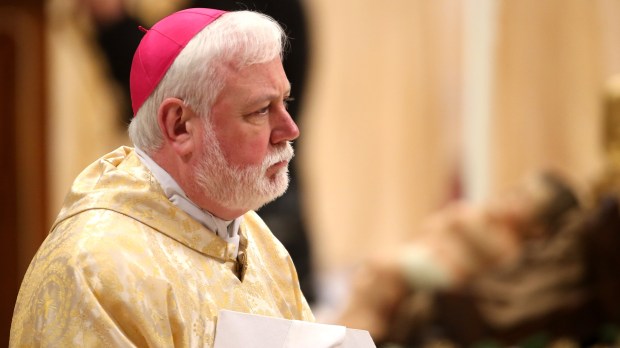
(159, 48)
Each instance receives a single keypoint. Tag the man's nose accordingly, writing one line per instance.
(284, 128)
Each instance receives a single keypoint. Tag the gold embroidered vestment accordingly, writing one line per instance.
(122, 266)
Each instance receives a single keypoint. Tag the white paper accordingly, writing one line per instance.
(243, 330)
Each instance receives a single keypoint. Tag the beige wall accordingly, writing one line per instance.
(547, 90)
(381, 123)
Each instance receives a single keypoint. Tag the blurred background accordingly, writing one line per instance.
(405, 107)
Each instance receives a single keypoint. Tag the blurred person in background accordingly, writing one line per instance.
(152, 241)
(493, 272)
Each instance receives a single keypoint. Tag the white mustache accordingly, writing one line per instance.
(285, 153)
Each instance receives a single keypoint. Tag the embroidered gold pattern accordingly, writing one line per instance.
(122, 266)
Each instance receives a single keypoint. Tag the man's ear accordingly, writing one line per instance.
(173, 116)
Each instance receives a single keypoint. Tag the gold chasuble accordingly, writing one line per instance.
(124, 267)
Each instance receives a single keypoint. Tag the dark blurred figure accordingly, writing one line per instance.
(118, 37)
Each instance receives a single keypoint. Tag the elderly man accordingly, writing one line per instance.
(152, 242)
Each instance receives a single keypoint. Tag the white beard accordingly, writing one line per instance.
(246, 188)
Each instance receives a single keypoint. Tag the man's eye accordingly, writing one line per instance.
(263, 111)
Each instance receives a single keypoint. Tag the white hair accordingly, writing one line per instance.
(196, 76)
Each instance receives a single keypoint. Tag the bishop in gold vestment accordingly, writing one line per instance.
(123, 266)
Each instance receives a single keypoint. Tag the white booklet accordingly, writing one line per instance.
(243, 330)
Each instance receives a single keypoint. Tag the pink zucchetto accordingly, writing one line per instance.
(159, 48)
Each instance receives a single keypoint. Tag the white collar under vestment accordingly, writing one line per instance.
(226, 229)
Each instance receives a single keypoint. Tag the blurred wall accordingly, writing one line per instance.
(547, 89)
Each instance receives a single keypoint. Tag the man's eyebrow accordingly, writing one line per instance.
(269, 95)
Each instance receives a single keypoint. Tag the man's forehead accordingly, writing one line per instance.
(262, 78)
